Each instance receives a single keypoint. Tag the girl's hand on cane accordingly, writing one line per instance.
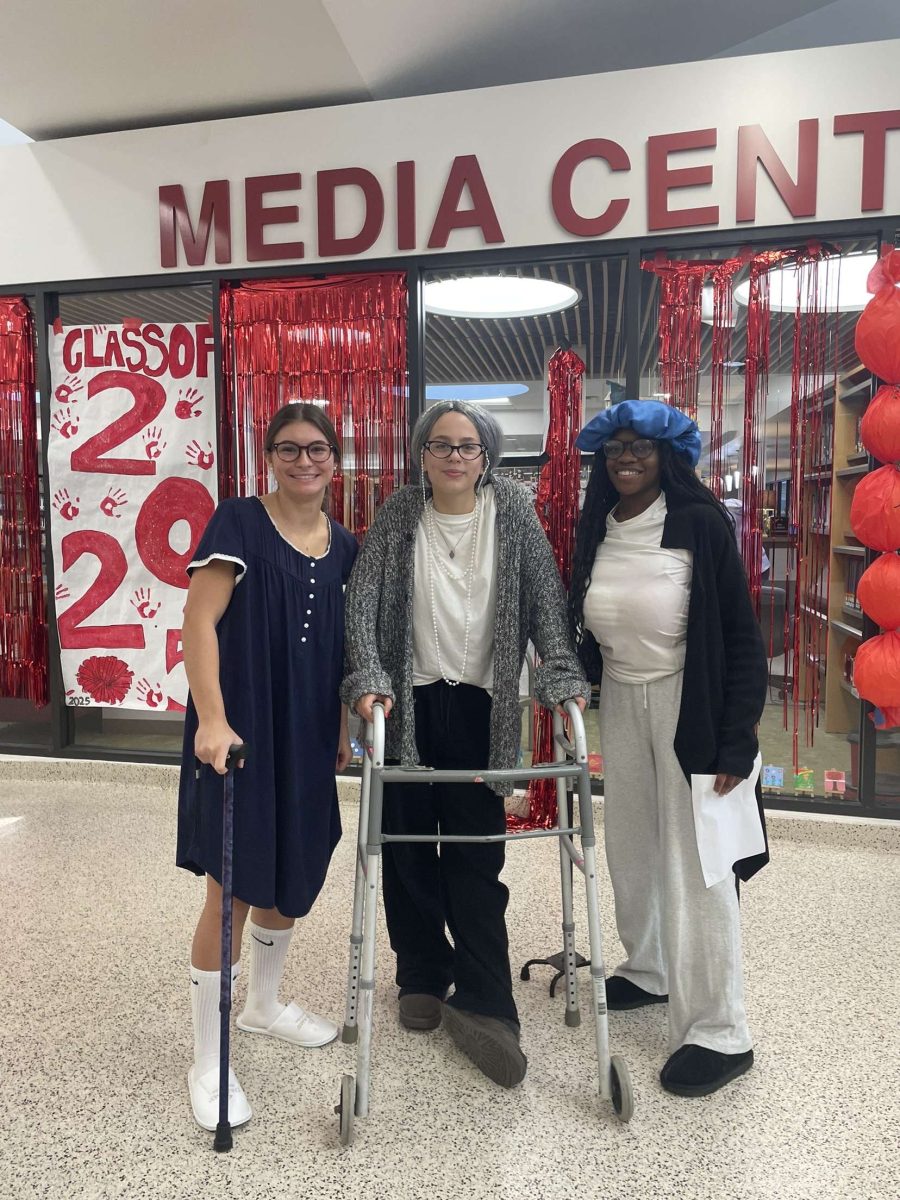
(213, 741)
(365, 705)
(345, 750)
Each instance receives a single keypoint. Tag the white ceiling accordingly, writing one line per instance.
(69, 69)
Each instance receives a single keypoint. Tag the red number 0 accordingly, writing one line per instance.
(172, 500)
(149, 400)
(73, 635)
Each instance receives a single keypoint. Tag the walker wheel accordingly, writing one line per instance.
(344, 1109)
(620, 1088)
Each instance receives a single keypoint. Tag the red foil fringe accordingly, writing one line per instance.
(340, 339)
(23, 616)
(557, 509)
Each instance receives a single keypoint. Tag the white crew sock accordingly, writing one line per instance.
(268, 948)
(205, 989)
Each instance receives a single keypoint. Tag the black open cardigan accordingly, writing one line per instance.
(725, 669)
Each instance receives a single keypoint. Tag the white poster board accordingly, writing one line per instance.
(132, 475)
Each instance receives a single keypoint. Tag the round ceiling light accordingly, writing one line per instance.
(840, 285)
(486, 296)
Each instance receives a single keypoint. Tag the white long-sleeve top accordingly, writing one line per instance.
(636, 604)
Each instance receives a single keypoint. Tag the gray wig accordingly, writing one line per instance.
(487, 427)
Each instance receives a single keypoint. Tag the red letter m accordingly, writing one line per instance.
(215, 210)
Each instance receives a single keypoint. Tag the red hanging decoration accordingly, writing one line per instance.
(878, 591)
(877, 340)
(880, 427)
(341, 340)
(876, 670)
(680, 327)
(23, 615)
(557, 510)
(875, 511)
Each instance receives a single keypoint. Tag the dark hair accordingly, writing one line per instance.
(678, 481)
(302, 411)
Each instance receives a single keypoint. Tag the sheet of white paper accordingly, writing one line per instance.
(727, 827)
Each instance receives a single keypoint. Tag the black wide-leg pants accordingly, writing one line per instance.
(456, 885)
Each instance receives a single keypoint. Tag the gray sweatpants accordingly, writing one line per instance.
(680, 937)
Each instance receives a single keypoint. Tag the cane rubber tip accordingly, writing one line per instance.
(350, 1034)
(223, 1140)
(573, 1018)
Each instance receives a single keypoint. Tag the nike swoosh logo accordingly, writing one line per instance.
(195, 982)
(261, 942)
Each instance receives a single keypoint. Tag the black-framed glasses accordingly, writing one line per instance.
(467, 450)
(317, 452)
(640, 448)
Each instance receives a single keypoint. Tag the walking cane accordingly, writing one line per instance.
(236, 754)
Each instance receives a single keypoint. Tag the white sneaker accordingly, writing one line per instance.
(293, 1024)
(205, 1098)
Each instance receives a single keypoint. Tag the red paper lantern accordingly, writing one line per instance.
(876, 670)
(878, 591)
(875, 511)
(880, 428)
(878, 328)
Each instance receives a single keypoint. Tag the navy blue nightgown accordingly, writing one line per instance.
(281, 649)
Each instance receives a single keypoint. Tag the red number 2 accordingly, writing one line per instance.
(149, 400)
(73, 635)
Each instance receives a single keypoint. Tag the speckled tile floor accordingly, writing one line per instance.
(95, 1036)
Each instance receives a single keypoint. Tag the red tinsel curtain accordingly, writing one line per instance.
(341, 340)
(813, 389)
(23, 616)
(557, 510)
(680, 327)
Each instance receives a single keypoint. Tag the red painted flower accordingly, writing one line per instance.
(106, 680)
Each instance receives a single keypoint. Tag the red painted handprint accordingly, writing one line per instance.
(198, 457)
(65, 422)
(151, 696)
(62, 593)
(153, 443)
(146, 607)
(112, 501)
(66, 393)
(64, 504)
(184, 407)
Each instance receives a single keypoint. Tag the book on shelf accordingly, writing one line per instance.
(855, 568)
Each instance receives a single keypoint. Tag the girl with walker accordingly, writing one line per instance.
(662, 611)
(263, 639)
(453, 579)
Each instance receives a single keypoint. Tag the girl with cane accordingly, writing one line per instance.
(663, 614)
(263, 638)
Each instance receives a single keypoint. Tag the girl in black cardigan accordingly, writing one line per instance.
(662, 612)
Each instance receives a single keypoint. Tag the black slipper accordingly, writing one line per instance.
(621, 993)
(698, 1071)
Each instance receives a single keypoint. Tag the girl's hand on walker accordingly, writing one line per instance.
(212, 743)
(579, 700)
(365, 704)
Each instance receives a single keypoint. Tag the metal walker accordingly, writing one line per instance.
(570, 763)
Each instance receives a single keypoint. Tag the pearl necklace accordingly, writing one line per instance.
(469, 576)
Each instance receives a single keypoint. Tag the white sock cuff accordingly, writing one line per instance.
(198, 976)
(277, 936)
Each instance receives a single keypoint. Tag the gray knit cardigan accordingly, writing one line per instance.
(530, 605)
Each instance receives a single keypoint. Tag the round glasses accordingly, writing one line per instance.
(640, 448)
(317, 452)
(467, 450)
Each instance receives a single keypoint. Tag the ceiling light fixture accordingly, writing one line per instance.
(840, 285)
(492, 296)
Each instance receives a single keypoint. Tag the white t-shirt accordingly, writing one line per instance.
(456, 533)
(636, 605)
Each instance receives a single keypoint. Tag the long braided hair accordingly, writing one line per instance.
(678, 482)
